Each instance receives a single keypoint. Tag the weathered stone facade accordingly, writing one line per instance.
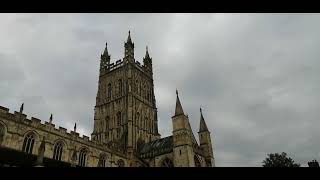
(125, 129)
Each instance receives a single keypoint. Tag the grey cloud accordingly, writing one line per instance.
(255, 75)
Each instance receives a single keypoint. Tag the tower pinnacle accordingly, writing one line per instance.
(129, 38)
(105, 52)
(203, 125)
(179, 110)
(147, 53)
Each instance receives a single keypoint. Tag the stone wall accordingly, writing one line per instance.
(17, 126)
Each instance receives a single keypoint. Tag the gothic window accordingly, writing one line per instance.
(197, 161)
(167, 163)
(142, 123)
(102, 161)
(137, 119)
(151, 126)
(120, 163)
(137, 86)
(2, 131)
(119, 118)
(107, 123)
(57, 151)
(82, 157)
(120, 86)
(28, 143)
(109, 90)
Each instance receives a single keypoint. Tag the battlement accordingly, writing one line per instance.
(86, 138)
(35, 121)
(114, 66)
(4, 109)
(49, 124)
(19, 115)
(62, 130)
(46, 126)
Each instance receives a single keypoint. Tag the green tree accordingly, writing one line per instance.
(279, 160)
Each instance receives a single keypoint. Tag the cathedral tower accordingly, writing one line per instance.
(205, 141)
(125, 112)
(183, 154)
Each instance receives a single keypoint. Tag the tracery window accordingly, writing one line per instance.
(137, 119)
(109, 90)
(102, 161)
(107, 123)
(120, 86)
(83, 157)
(57, 151)
(28, 143)
(119, 118)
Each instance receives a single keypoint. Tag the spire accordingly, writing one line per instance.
(105, 52)
(21, 108)
(203, 125)
(179, 109)
(147, 53)
(50, 120)
(129, 48)
(129, 39)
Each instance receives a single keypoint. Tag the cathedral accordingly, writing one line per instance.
(125, 132)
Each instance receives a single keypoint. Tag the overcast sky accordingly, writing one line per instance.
(255, 75)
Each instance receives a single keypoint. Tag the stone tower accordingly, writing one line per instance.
(125, 111)
(183, 141)
(205, 141)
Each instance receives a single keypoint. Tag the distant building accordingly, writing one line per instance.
(125, 131)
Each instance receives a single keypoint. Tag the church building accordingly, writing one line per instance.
(125, 132)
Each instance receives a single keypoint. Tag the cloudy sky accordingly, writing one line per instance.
(255, 75)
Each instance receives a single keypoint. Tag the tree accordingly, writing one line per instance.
(279, 160)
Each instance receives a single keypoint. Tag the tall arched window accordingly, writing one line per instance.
(107, 123)
(118, 133)
(28, 143)
(120, 163)
(2, 132)
(82, 157)
(109, 90)
(137, 119)
(146, 124)
(102, 161)
(120, 86)
(167, 163)
(119, 118)
(137, 86)
(57, 151)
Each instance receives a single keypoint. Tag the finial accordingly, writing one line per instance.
(75, 127)
(147, 48)
(50, 120)
(21, 108)
(177, 92)
(129, 38)
(200, 109)
(106, 44)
